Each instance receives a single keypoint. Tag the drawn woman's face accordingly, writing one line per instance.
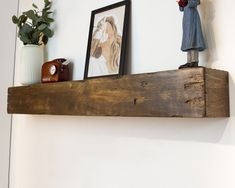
(110, 32)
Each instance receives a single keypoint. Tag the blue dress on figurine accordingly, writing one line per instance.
(193, 40)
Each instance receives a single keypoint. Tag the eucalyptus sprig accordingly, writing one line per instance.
(34, 24)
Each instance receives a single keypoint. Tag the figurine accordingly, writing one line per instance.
(193, 40)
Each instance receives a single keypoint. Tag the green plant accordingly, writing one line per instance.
(34, 25)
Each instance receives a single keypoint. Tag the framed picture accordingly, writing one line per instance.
(107, 41)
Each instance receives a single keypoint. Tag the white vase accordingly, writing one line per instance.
(32, 59)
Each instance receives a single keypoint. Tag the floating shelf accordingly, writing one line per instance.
(194, 92)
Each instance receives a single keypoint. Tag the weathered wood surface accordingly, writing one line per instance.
(217, 93)
(198, 92)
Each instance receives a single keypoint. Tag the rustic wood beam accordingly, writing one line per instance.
(195, 92)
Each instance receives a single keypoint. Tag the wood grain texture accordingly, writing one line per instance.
(176, 93)
(217, 93)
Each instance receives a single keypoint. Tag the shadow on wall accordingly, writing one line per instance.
(207, 13)
(174, 129)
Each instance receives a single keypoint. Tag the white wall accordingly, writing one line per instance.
(7, 50)
(110, 152)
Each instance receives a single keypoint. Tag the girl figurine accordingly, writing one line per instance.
(193, 40)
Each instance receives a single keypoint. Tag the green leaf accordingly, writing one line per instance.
(39, 21)
(47, 3)
(50, 20)
(46, 9)
(19, 25)
(36, 34)
(50, 12)
(26, 28)
(15, 19)
(31, 14)
(49, 33)
(23, 18)
(25, 39)
(42, 27)
(35, 6)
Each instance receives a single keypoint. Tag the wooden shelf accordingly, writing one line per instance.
(196, 92)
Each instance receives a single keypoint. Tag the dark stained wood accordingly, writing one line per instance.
(197, 92)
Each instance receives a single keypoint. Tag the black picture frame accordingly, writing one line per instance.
(107, 40)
